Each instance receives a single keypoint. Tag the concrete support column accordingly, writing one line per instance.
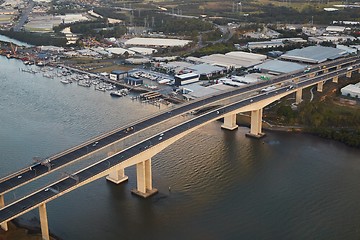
(4, 225)
(335, 79)
(44, 222)
(230, 122)
(144, 180)
(348, 74)
(256, 124)
(296, 80)
(320, 86)
(326, 70)
(117, 176)
(298, 98)
(338, 67)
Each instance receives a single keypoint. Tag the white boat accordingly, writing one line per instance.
(65, 81)
(84, 84)
(119, 93)
(100, 88)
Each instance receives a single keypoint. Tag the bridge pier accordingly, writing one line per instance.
(298, 97)
(256, 124)
(118, 176)
(348, 74)
(144, 180)
(4, 225)
(320, 86)
(230, 122)
(44, 222)
(335, 79)
(338, 67)
(325, 70)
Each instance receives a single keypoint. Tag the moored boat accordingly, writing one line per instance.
(119, 93)
(65, 81)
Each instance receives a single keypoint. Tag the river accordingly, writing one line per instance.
(223, 184)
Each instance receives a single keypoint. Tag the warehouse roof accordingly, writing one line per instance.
(161, 42)
(236, 59)
(205, 69)
(278, 66)
(313, 54)
(142, 50)
(119, 51)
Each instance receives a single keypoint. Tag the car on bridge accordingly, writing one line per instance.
(307, 70)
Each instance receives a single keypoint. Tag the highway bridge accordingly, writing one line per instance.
(225, 105)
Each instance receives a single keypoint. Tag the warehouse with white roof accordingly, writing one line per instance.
(119, 51)
(236, 59)
(157, 42)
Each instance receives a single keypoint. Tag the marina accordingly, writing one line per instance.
(68, 75)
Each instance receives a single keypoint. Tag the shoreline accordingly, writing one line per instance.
(244, 120)
(23, 229)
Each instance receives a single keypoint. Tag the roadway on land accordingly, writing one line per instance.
(70, 183)
(24, 16)
(69, 156)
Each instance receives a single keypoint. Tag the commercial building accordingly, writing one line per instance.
(187, 78)
(134, 81)
(117, 75)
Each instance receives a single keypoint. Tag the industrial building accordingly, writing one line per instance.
(314, 54)
(119, 51)
(134, 81)
(187, 78)
(196, 90)
(231, 60)
(206, 70)
(175, 67)
(351, 90)
(350, 49)
(277, 67)
(157, 42)
(335, 29)
(333, 39)
(117, 75)
(143, 51)
(265, 44)
(137, 61)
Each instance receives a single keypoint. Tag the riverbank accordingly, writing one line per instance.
(244, 120)
(23, 230)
